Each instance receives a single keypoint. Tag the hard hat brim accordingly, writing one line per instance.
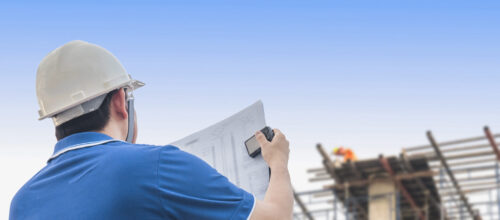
(132, 84)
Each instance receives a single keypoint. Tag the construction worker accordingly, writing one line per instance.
(98, 172)
(347, 153)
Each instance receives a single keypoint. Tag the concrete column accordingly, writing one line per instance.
(382, 199)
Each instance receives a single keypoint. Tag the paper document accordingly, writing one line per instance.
(222, 146)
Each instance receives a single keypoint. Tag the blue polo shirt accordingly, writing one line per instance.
(92, 176)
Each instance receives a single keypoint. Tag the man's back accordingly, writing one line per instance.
(92, 176)
(83, 87)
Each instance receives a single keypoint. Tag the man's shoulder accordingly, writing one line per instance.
(141, 150)
(164, 160)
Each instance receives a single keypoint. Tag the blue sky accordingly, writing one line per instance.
(371, 75)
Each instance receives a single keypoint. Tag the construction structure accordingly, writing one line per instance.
(457, 179)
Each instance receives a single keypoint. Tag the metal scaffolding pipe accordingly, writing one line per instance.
(446, 143)
(470, 185)
(458, 149)
(477, 178)
(491, 139)
(432, 157)
(469, 162)
(302, 206)
(451, 176)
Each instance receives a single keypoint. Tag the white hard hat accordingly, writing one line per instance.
(74, 79)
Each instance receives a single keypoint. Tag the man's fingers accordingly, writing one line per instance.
(278, 134)
(261, 138)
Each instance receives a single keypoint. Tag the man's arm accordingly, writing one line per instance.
(278, 201)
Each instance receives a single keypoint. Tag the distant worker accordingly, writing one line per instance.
(98, 172)
(347, 153)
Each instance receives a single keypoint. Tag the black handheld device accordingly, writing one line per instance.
(253, 146)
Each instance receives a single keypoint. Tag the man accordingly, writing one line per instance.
(347, 153)
(98, 172)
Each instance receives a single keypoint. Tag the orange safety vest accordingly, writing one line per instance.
(349, 155)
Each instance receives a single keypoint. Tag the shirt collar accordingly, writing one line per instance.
(80, 139)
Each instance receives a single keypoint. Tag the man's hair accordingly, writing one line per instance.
(92, 121)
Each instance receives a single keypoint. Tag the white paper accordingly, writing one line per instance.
(222, 146)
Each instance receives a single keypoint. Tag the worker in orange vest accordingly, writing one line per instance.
(347, 153)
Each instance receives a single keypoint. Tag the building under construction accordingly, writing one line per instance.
(456, 179)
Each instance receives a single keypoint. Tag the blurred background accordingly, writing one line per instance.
(369, 75)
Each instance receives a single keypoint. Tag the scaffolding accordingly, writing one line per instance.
(457, 179)
(468, 174)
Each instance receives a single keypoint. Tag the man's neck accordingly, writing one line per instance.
(113, 132)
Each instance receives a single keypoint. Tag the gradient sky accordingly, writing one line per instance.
(370, 75)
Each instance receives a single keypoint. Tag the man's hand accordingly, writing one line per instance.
(278, 202)
(276, 152)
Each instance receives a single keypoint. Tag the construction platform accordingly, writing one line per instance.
(457, 179)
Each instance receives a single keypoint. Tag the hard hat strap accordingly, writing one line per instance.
(130, 111)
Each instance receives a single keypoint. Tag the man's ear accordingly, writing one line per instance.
(119, 105)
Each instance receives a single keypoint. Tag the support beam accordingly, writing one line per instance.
(491, 139)
(434, 144)
(401, 187)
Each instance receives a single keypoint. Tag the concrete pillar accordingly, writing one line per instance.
(381, 199)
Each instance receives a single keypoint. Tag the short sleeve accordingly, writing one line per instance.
(189, 188)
